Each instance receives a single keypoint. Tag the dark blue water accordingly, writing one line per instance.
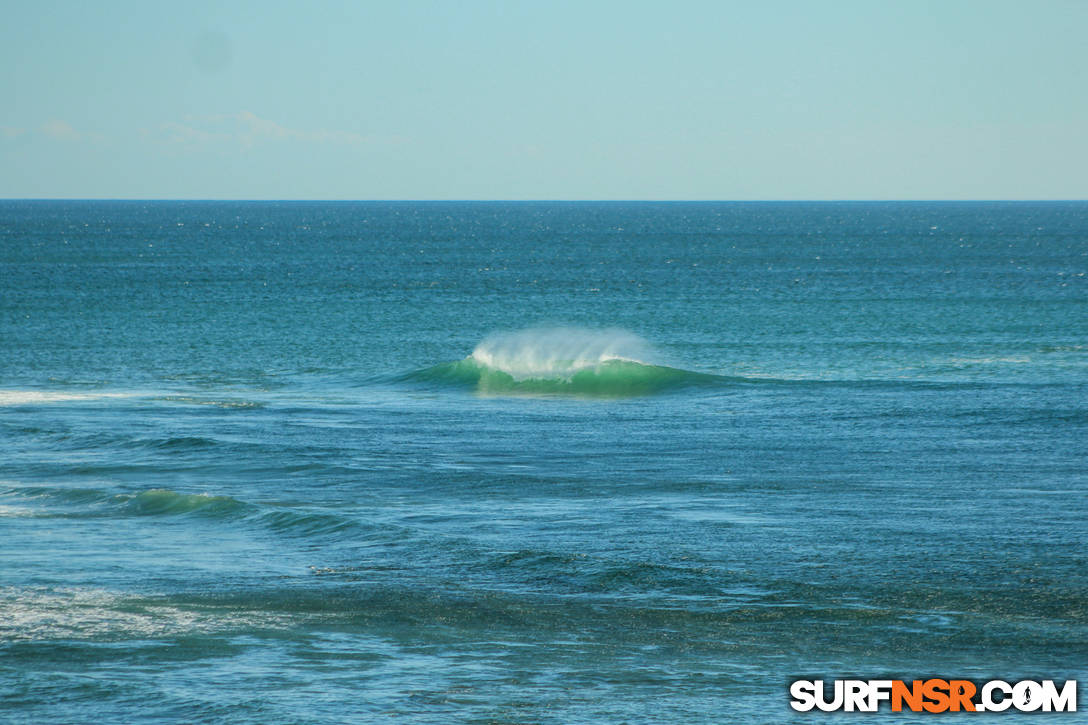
(534, 462)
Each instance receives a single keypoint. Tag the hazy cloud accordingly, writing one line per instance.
(60, 130)
(10, 132)
(248, 129)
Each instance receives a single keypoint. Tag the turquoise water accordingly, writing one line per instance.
(534, 462)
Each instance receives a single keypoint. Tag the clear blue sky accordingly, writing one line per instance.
(545, 100)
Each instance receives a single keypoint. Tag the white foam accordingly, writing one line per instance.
(28, 614)
(557, 351)
(34, 397)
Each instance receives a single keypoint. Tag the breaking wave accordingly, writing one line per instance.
(562, 361)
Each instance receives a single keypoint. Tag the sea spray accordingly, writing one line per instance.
(557, 352)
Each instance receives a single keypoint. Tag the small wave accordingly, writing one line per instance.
(83, 497)
(562, 361)
(163, 502)
(98, 503)
(83, 502)
(595, 575)
(168, 443)
(305, 523)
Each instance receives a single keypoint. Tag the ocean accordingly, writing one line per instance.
(535, 462)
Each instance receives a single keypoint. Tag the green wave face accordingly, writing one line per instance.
(163, 502)
(609, 379)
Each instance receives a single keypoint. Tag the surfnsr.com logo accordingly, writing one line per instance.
(934, 695)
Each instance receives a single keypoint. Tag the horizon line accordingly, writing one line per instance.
(556, 200)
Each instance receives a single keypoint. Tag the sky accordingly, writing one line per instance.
(951, 99)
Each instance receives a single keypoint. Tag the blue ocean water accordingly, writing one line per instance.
(534, 462)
